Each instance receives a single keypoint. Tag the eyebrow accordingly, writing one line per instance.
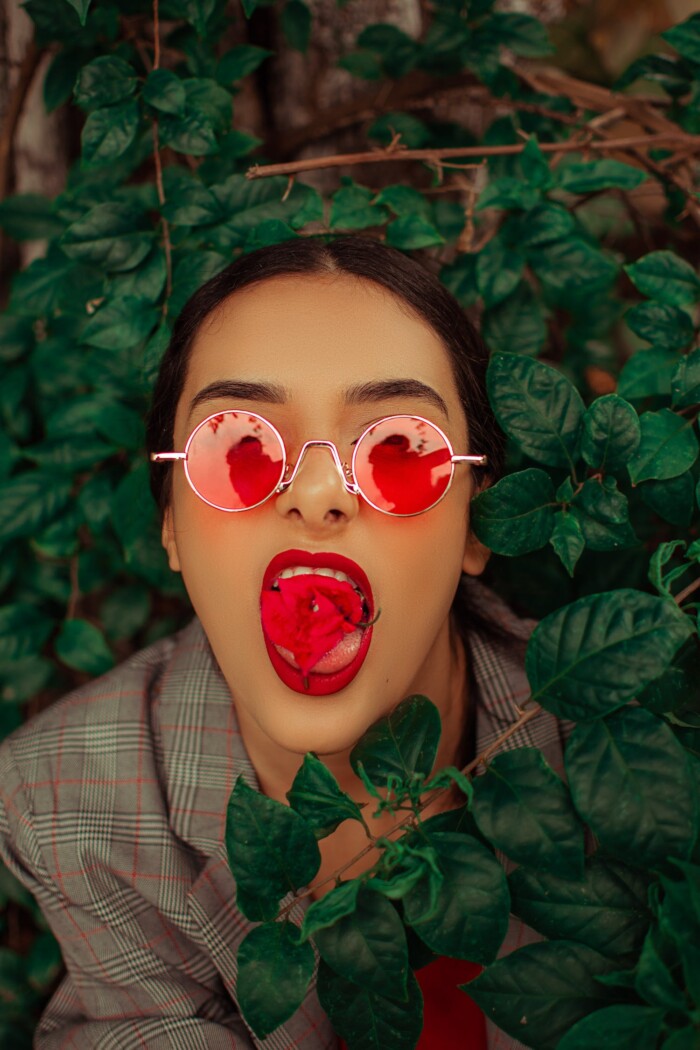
(359, 394)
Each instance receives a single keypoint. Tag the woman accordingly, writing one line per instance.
(278, 379)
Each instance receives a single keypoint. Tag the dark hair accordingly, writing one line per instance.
(412, 284)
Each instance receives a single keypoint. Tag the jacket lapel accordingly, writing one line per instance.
(201, 756)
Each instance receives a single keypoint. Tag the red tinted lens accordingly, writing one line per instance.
(402, 465)
(235, 460)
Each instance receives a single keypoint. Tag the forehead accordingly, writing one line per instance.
(317, 335)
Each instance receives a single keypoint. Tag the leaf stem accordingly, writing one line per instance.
(682, 595)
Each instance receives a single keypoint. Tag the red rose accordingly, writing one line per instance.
(309, 615)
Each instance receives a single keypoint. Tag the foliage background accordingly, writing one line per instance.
(556, 250)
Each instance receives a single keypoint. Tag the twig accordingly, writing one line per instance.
(439, 156)
(167, 247)
(525, 716)
(682, 595)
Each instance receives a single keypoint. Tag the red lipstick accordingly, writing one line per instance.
(318, 684)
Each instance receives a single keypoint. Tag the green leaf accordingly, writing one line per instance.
(572, 270)
(521, 34)
(498, 270)
(210, 100)
(535, 166)
(606, 909)
(192, 133)
(538, 992)
(21, 680)
(114, 237)
(611, 433)
(296, 25)
(546, 222)
(108, 133)
(334, 905)
(274, 972)
(132, 505)
(663, 553)
(604, 174)
(402, 744)
(16, 337)
(672, 500)
(603, 514)
(517, 324)
(23, 631)
(365, 65)
(615, 1026)
(414, 133)
(271, 849)
(516, 515)
(594, 655)
(81, 7)
(685, 38)
(125, 610)
(120, 324)
(28, 217)
(653, 980)
(316, 796)
(83, 647)
(460, 279)
(104, 81)
(668, 446)
(648, 373)
(671, 74)
(630, 781)
(537, 407)
(30, 501)
(352, 209)
(567, 540)
(165, 92)
(247, 205)
(364, 1018)
(122, 426)
(239, 61)
(663, 275)
(404, 201)
(668, 327)
(398, 52)
(507, 192)
(190, 273)
(524, 809)
(685, 382)
(368, 946)
(69, 455)
(410, 232)
(470, 915)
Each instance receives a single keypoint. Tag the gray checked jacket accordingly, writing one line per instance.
(112, 813)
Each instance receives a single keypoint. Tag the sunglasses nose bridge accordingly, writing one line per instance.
(343, 469)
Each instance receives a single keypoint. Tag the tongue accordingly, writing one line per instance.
(336, 660)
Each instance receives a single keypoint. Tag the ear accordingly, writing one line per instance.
(476, 555)
(167, 538)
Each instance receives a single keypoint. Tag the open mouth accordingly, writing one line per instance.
(316, 615)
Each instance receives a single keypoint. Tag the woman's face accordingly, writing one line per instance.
(316, 337)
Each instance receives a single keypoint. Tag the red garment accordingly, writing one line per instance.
(451, 1020)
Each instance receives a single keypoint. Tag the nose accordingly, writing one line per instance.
(315, 491)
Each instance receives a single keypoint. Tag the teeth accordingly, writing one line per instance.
(303, 570)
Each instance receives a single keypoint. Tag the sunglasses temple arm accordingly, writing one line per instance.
(478, 461)
(161, 457)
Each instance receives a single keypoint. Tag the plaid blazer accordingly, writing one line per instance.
(112, 813)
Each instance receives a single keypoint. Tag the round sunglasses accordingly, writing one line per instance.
(401, 465)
